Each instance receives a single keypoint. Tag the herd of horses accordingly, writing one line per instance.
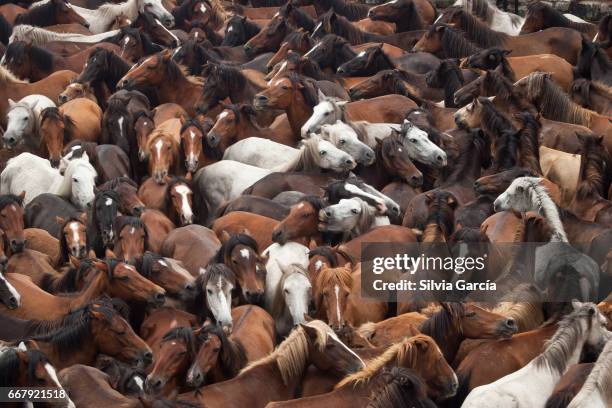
(188, 190)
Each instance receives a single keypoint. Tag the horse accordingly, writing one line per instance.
(131, 240)
(515, 68)
(168, 78)
(269, 37)
(213, 298)
(163, 151)
(73, 238)
(96, 325)
(174, 199)
(237, 222)
(256, 205)
(542, 42)
(101, 18)
(444, 41)
(204, 12)
(133, 44)
(407, 15)
(49, 13)
(239, 30)
(240, 252)
(196, 150)
(147, 23)
(298, 41)
(16, 89)
(24, 367)
(592, 95)
(35, 176)
(77, 90)
(555, 104)
(584, 325)
(23, 121)
(42, 36)
(222, 356)
(594, 391)
(282, 370)
(495, 18)
(353, 12)
(540, 16)
(193, 245)
(593, 63)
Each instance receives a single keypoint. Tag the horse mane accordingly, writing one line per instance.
(403, 353)
(308, 67)
(443, 321)
(117, 181)
(402, 388)
(7, 199)
(70, 332)
(175, 72)
(605, 24)
(212, 272)
(340, 276)
(350, 10)
(564, 342)
(440, 214)
(593, 168)
(5, 30)
(480, 8)
(529, 143)
(544, 205)
(7, 76)
(400, 83)
(524, 305)
(307, 158)
(494, 120)
(302, 19)
(477, 31)
(54, 113)
(382, 60)
(553, 102)
(366, 219)
(554, 18)
(9, 367)
(584, 87)
(296, 37)
(133, 222)
(309, 88)
(228, 246)
(38, 15)
(65, 187)
(218, 15)
(326, 252)
(600, 378)
(342, 27)
(454, 43)
(233, 355)
(291, 355)
(184, 334)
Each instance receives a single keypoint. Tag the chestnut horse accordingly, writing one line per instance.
(11, 221)
(163, 147)
(175, 199)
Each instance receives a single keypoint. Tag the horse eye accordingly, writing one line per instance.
(287, 291)
(355, 211)
(327, 113)
(285, 87)
(209, 291)
(322, 152)
(342, 141)
(75, 180)
(25, 119)
(413, 140)
(121, 333)
(472, 314)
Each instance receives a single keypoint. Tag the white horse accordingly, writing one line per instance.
(40, 36)
(292, 296)
(224, 181)
(354, 187)
(345, 138)
(352, 216)
(315, 153)
(597, 389)
(102, 17)
(531, 386)
(35, 176)
(216, 283)
(495, 18)
(23, 120)
(330, 110)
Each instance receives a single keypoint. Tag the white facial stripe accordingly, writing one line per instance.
(351, 188)
(183, 191)
(318, 265)
(313, 48)
(223, 114)
(230, 29)
(202, 9)
(174, 37)
(53, 375)
(361, 54)
(245, 253)
(139, 382)
(108, 202)
(120, 123)
(11, 289)
(158, 146)
(132, 231)
(337, 292)
(74, 227)
(192, 134)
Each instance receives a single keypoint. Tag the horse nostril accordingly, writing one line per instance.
(440, 158)
(328, 213)
(511, 323)
(189, 286)
(160, 297)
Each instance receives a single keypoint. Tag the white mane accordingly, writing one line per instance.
(599, 380)
(40, 36)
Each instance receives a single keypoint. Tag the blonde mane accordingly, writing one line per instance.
(403, 354)
(291, 355)
(8, 76)
(525, 307)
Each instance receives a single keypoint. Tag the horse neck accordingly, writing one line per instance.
(549, 209)
(507, 70)
(235, 354)
(298, 113)
(94, 289)
(433, 233)
(467, 171)
(590, 187)
(451, 86)
(85, 354)
(269, 374)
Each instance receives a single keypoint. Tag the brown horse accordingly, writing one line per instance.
(561, 41)
(175, 199)
(168, 78)
(450, 325)
(221, 357)
(77, 90)
(407, 15)
(11, 221)
(282, 370)
(131, 239)
(15, 89)
(50, 13)
(98, 328)
(196, 150)
(259, 227)
(240, 253)
(540, 16)
(162, 148)
(592, 95)
(269, 37)
(112, 277)
(193, 245)
(302, 222)
(418, 352)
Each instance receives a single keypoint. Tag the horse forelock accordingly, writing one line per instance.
(444, 321)
(10, 364)
(292, 354)
(184, 334)
(329, 277)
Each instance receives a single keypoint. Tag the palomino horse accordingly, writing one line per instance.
(221, 357)
(283, 368)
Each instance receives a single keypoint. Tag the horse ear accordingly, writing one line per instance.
(22, 346)
(576, 304)
(166, 55)
(311, 332)
(91, 253)
(224, 237)
(109, 253)
(76, 262)
(22, 195)
(83, 218)
(320, 95)
(348, 265)
(246, 231)
(101, 265)
(60, 220)
(308, 318)
(11, 103)
(429, 196)
(450, 200)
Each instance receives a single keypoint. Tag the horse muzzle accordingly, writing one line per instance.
(260, 102)
(254, 298)
(17, 245)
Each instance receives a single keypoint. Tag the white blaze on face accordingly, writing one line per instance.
(11, 289)
(74, 227)
(318, 265)
(184, 191)
(337, 292)
(223, 115)
(174, 37)
(120, 123)
(108, 202)
(139, 382)
(335, 337)
(361, 54)
(316, 45)
(230, 29)
(202, 9)
(158, 147)
(245, 253)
